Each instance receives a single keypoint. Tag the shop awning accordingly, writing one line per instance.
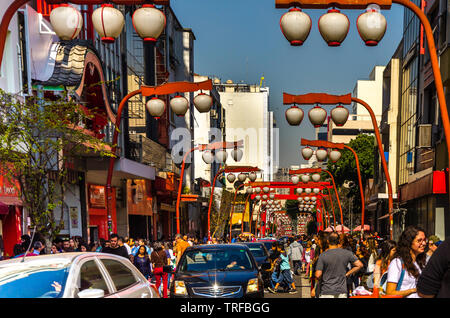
(10, 200)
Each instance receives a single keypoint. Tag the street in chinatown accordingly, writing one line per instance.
(259, 150)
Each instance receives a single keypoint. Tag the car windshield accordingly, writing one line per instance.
(37, 279)
(257, 250)
(216, 260)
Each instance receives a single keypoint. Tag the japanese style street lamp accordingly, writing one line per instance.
(317, 116)
(339, 115)
(203, 103)
(295, 26)
(333, 27)
(307, 153)
(149, 22)
(371, 26)
(66, 21)
(294, 115)
(108, 22)
(334, 155)
(155, 107)
(321, 154)
(231, 177)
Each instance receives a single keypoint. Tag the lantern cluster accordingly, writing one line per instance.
(321, 154)
(242, 177)
(221, 155)
(317, 115)
(179, 105)
(333, 26)
(148, 22)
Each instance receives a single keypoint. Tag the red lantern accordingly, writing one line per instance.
(296, 26)
(108, 22)
(333, 27)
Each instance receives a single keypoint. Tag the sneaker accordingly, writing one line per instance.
(292, 291)
(273, 291)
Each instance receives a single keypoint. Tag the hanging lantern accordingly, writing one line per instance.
(306, 199)
(308, 190)
(299, 191)
(207, 156)
(203, 102)
(334, 26)
(296, 26)
(148, 22)
(321, 154)
(264, 203)
(317, 116)
(156, 107)
(108, 22)
(221, 156)
(339, 115)
(179, 105)
(300, 199)
(316, 190)
(272, 195)
(305, 178)
(315, 177)
(266, 189)
(334, 155)
(237, 154)
(242, 177)
(295, 179)
(258, 197)
(66, 21)
(371, 26)
(294, 116)
(231, 177)
(307, 153)
(252, 176)
(249, 190)
(265, 197)
(257, 189)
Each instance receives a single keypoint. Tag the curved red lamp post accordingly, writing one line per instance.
(213, 146)
(233, 205)
(328, 144)
(165, 89)
(226, 169)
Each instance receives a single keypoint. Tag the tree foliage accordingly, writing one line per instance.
(38, 140)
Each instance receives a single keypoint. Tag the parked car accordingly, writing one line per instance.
(261, 255)
(73, 275)
(267, 243)
(217, 271)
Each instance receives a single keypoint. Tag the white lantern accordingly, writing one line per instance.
(308, 190)
(221, 156)
(258, 197)
(203, 102)
(315, 177)
(321, 154)
(316, 190)
(252, 176)
(266, 189)
(334, 26)
(306, 199)
(307, 153)
(265, 197)
(242, 176)
(264, 203)
(179, 105)
(108, 22)
(295, 179)
(231, 177)
(249, 190)
(295, 26)
(272, 195)
(305, 178)
(317, 116)
(149, 22)
(314, 199)
(156, 107)
(207, 156)
(66, 21)
(334, 155)
(339, 115)
(299, 190)
(294, 116)
(371, 26)
(237, 154)
(300, 199)
(257, 190)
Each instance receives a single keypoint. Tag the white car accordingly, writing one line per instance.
(73, 275)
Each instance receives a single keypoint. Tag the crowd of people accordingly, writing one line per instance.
(340, 265)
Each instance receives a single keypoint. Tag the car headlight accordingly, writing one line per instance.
(252, 285)
(179, 288)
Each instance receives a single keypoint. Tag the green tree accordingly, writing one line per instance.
(38, 140)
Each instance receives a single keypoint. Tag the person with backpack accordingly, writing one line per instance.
(408, 263)
(285, 274)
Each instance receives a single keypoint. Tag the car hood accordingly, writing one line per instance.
(220, 278)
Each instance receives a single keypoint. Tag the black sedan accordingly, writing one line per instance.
(261, 255)
(217, 271)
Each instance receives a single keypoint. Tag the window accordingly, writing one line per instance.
(91, 277)
(121, 275)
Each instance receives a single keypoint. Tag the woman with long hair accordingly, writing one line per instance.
(159, 259)
(409, 261)
(388, 249)
(322, 246)
(142, 261)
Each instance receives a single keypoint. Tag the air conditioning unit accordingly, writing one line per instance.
(425, 136)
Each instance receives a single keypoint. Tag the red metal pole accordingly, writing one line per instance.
(337, 197)
(233, 205)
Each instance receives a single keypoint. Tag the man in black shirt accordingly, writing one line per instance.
(114, 248)
(435, 278)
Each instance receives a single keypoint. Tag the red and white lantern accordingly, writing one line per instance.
(231, 177)
(179, 105)
(316, 191)
(305, 178)
(334, 26)
(321, 154)
(156, 107)
(266, 189)
(149, 22)
(249, 190)
(299, 190)
(315, 177)
(258, 197)
(221, 156)
(203, 102)
(308, 190)
(334, 155)
(307, 153)
(207, 156)
(371, 26)
(66, 21)
(294, 115)
(252, 176)
(242, 177)
(339, 115)
(317, 116)
(295, 179)
(108, 22)
(237, 154)
(296, 26)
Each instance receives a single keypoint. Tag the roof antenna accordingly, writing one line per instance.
(29, 246)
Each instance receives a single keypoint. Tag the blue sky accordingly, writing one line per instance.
(241, 40)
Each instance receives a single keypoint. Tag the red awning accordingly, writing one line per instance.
(10, 200)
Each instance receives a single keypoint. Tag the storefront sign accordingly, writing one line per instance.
(97, 196)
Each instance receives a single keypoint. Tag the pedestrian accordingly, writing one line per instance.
(387, 253)
(173, 260)
(83, 247)
(331, 269)
(408, 262)
(73, 245)
(121, 241)
(142, 261)
(38, 247)
(307, 257)
(295, 253)
(285, 273)
(180, 246)
(135, 248)
(115, 248)
(66, 247)
(435, 278)
(159, 259)
(432, 240)
(321, 245)
(54, 249)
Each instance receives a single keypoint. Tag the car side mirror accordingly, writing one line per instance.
(91, 293)
(265, 266)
